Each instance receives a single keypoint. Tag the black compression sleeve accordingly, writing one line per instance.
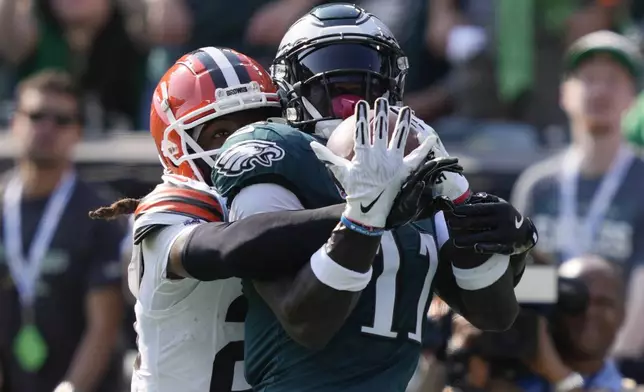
(262, 247)
(518, 263)
(491, 308)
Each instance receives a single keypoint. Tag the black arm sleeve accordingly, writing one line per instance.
(493, 308)
(261, 247)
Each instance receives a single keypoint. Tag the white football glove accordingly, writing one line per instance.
(374, 177)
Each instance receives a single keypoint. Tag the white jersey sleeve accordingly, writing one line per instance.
(155, 250)
(190, 333)
(264, 197)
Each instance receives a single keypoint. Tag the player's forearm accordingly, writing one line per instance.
(309, 311)
(91, 360)
(18, 30)
(308, 307)
(492, 308)
(489, 305)
(104, 311)
(261, 247)
(311, 298)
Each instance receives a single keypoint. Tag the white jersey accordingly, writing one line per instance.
(190, 333)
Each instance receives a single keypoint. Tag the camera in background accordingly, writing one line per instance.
(544, 294)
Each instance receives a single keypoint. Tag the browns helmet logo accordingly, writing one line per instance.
(245, 156)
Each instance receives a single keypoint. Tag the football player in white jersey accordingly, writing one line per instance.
(183, 346)
(203, 97)
(189, 307)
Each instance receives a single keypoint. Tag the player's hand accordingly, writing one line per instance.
(490, 225)
(413, 202)
(378, 169)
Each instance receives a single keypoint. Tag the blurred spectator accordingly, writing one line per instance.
(256, 27)
(102, 43)
(60, 294)
(581, 342)
(271, 19)
(588, 199)
(506, 54)
(408, 20)
(593, 178)
(253, 27)
(564, 348)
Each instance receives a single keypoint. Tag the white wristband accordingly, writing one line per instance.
(482, 276)
(570, 383)
(336, 276)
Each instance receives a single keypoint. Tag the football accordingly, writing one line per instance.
(341, 140)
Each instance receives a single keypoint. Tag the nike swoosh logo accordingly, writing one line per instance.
(368, 207)
(518, 222)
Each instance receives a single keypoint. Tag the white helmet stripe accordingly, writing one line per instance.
(224, 65)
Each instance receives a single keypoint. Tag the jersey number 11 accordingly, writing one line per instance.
(386, 287)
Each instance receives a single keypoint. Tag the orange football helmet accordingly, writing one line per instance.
(201, 86)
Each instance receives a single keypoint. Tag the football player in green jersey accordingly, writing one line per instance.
(328, 328)
(341, 323)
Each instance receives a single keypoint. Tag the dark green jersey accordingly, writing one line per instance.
(267, 152)
(378, 347)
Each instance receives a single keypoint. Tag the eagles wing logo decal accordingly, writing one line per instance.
(245, 156)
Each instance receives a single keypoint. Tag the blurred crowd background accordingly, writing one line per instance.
(486, 74)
